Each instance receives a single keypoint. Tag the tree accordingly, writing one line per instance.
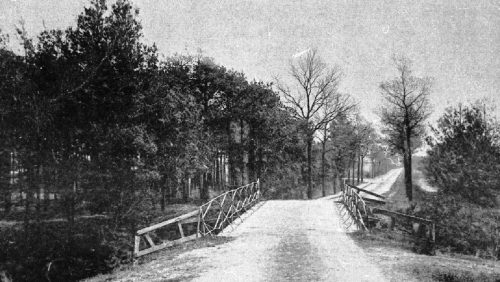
(92, 115)
(341, 104)
(91, 83)
(13, 85)
(365, 138)
(405, 110)
(463, 163)
(315, 89)
(464, 157)
(342, 134)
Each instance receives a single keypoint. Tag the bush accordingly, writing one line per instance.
(462, 276)
(464, 161)
(91, 250)
(462, 227)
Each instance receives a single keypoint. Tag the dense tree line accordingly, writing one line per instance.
(92, 117)
(93, 105)
(95, 124)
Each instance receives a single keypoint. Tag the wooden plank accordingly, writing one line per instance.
(189, 220)
(366, 191)
(185, 239)
(170, 221)
(207, 208)
(180, 229)
(137, 242)
(392, 213)
(150, 241)
(198, 231)
(155, 248)
(166, 245)
(221, 210)
(373, 200)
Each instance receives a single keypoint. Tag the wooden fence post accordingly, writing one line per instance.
(137, 242)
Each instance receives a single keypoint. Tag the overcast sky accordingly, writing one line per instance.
(456, 42)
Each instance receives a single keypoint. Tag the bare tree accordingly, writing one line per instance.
(365, 137)
(315, 99)
(406, 108)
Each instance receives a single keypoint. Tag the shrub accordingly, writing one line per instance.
(463, 227)
(464, 162)
(26, 256)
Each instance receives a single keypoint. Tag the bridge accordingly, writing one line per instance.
(291, 241)
(275, 240)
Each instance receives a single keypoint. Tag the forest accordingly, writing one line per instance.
(102, 135)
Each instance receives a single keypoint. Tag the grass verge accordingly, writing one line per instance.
(164, 265)
(399, 263)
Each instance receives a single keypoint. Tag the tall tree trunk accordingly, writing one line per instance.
(251, 160)
(217, 171)
(223, 172)
(6, 199)
(323, 169)
(244, 153)
(407, 166)
(362, 168)
(230, 155)
(71, 202)
(259, 164)
(335, 179)
(7, 187)
(39, 191)
(27, 201)
(373, 168)
(349, 170)
(309, 167)
(162, 195)
(203, 188)
(184, 189)
(358, 165)
(353, 167)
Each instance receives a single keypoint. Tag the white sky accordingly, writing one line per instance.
(456, 42)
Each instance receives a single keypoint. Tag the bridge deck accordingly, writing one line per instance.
(288, 241)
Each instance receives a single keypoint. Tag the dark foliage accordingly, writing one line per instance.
(44, 251)
(464, 164)
(94, 123)
(465, 159)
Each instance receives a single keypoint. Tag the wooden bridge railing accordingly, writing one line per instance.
(209, 219)
(363, 215)
(147, 233)
(355, 205)
(223, 209)
(397, 216)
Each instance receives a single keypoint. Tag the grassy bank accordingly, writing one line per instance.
(52, 249)
(393, 253)
(394, 249)
(164, 265)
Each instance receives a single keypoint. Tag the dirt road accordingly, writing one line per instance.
(288, 241)
(381, 184)
(279, 241)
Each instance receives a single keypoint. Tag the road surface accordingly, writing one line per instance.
(288, 241)
(383, 183)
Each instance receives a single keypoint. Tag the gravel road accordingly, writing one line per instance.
(288, 241)
(381, 184)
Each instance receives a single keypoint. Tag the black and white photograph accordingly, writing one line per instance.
(249, 140)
